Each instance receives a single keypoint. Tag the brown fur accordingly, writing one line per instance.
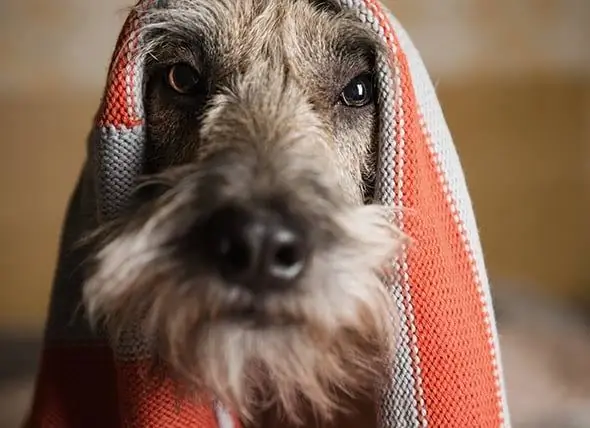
(266, 129)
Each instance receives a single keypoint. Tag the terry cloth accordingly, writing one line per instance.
(447, 370)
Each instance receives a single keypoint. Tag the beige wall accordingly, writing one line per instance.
(513, 80)
(501, 37)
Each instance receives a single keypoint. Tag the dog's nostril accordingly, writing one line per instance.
(233, 240)
(286, 254)
(235, 252)
(257, 249)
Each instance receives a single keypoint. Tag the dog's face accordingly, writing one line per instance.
(250, 257)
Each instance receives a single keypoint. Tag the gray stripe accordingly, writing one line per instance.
(118, 161)
(398, 403)
(398, 407)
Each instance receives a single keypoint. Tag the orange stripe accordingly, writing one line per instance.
(75, 388)
(150, 402)
(81, 386)
(456, 360)
(116, 107)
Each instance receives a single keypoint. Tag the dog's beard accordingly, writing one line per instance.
(329, 335)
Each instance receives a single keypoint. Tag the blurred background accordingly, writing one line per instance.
(513, 78)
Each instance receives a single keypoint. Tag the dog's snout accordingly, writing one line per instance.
(259, 249)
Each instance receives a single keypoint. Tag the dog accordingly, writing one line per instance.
(252, 256)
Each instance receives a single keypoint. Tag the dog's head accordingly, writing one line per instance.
(251, 256)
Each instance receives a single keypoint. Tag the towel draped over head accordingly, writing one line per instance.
(446, 370)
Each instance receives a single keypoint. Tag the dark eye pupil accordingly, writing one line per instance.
(356, 92)
(183, 78)
(359, 92)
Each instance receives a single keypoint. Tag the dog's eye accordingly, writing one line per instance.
(359, 92)
(183, 78)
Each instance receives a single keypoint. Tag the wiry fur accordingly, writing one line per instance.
(268, 131)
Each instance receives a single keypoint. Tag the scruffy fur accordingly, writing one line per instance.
(267, 129)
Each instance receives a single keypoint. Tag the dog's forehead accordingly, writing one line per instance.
(235, 16)
(240, 30)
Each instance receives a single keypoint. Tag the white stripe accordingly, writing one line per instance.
(405, 279)
(224, 419)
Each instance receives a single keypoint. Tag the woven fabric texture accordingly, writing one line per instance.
(446, 370)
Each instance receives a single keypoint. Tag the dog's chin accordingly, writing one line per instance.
(256, 363)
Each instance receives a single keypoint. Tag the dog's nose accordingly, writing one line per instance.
(258, 249)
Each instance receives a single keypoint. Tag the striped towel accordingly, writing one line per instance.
(446, 370)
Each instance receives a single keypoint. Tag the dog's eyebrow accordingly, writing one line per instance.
(354, 43)
(354, 36)
(351, 36)
(357, 46)
(170, 28)
(327, 5)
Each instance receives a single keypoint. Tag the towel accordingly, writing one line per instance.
(446, 370)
